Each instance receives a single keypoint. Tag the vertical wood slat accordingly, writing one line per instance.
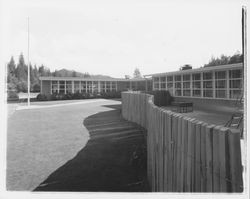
(174, 134)
(169, 152)
(189, 155)
(179, 155)
(209, 158)
(198, 156)
(222, 157)
(216, 159)
(235, 163)
(183, 153)
(166, 154)
(161, 152)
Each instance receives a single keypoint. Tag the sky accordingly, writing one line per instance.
(114, 37)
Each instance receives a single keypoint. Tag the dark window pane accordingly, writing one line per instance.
(178, 85)
(186, 84)
(196, 85)
(235, 83)
(177, 78)
(207, 93)
(235, 94)
(208, 84)
(156, 79)
(220, 94)
(170, 85)
(197, 76)
(196, 93)
(220, 84)
(207, 76)
(186, 77)
(177, 92)
(163, 79)
(186, 93)
(220, 75)
(163, 85)
(235, 73)
(170, 78)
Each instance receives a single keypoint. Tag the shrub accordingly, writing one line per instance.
(41, 97)
(162, 98)
(112, 94)
(77, 96)
(67, 96)
(12, 96)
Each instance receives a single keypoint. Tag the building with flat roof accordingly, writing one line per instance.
(64, 85)
(215, 84)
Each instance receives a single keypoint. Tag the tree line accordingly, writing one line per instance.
(17, 75)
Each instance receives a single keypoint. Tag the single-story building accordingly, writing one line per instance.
(219, 85)
(64, 85)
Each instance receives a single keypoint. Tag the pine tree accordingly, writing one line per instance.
(21, 70)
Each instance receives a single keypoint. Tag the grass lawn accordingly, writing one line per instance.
(41, 140)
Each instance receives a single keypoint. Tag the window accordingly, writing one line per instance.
(170, 84)
(207, 93)
(68, 86)
(156, 83)
(208, 84)
(220, 84)
(107, 86)
(89, 87)
(83, 86)
(76, 87)
(102, 86)
(54, 87)
(186, 85)
(95, 87)
(177, 79)
(196, 85)
(163, 83)
(113, 86)
(235, 84)
(61, 86)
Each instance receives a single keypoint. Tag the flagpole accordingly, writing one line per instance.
(28, 65)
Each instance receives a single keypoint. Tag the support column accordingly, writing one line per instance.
(182, 85)
(201, 84)
(92, 87)
(65, 87)
(214, 84)
(191, 85)
(73, 88)
(99, 86)
(173, 85)
(58, 87)
(227, 84)
(80, 86)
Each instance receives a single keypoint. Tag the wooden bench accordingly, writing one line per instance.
(183, 107)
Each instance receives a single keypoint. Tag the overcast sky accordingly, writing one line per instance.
(113, 38)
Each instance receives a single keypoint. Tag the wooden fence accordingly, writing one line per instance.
(184, 154)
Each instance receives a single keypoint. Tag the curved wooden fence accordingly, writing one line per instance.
(184, 154)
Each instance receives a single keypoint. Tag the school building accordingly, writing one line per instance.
(207, 85)
(64, 85)
(218, 85)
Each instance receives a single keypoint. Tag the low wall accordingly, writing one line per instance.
(210, 104)
(183, 154)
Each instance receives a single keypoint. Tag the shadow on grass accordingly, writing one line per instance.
(114, 159)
